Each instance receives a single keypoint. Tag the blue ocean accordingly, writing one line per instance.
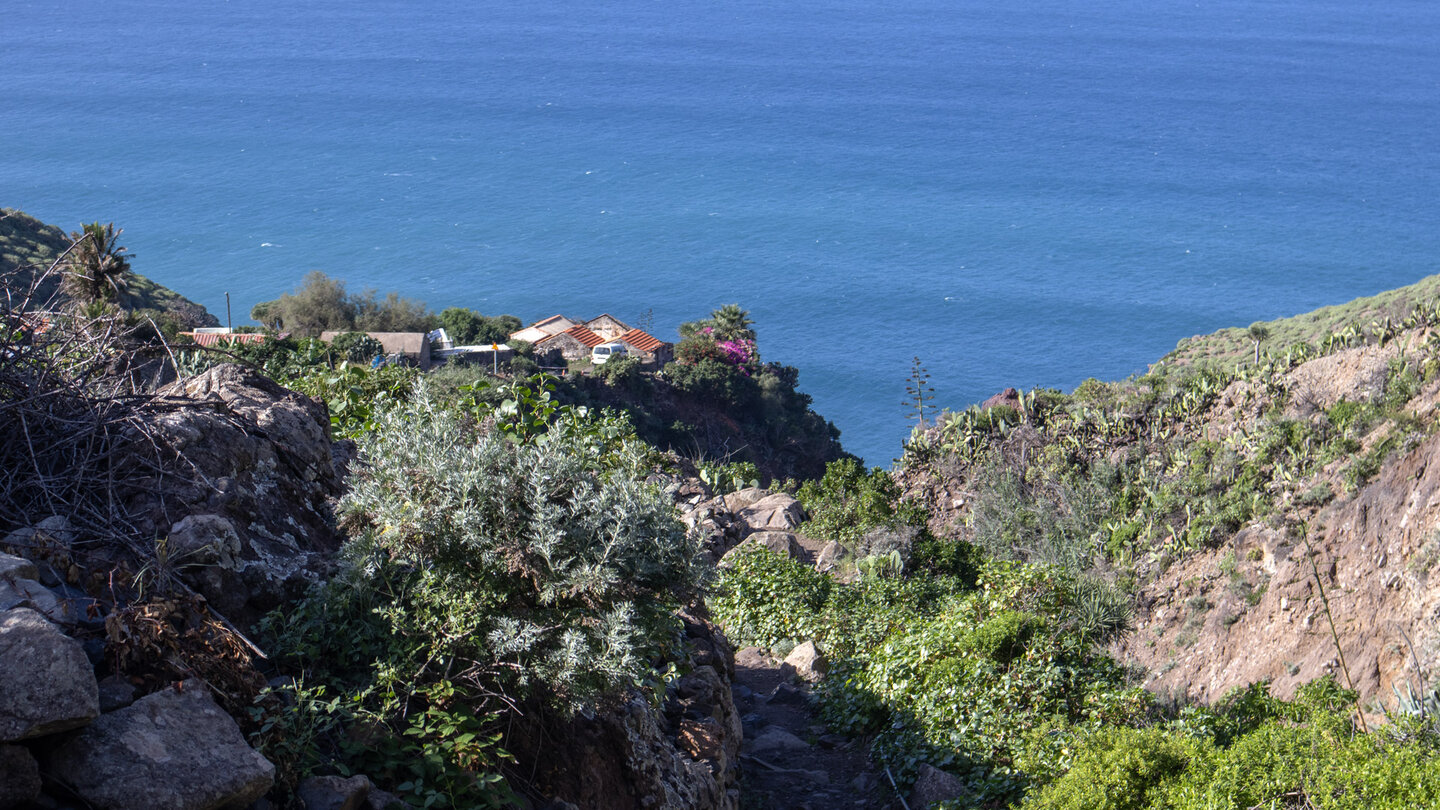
(1019, 194)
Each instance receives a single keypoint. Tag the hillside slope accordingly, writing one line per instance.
(28, 247)
(1232, 345)
(1276, 521)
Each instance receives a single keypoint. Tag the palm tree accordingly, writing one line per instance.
(732, 323)
(97, 263)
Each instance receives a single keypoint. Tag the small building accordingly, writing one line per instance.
(650, 350)
(608, 327)
(574, 343)
(538, 331)
(485, 355)
(414, 347)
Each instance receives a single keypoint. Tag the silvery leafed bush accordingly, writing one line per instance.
(542, 563)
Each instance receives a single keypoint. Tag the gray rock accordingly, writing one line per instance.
(778, 512)
(334, 792)
(19, 776)
(260, 459)
(46, 684)
(58, 530)
(115, 693)
(934, 785)
(12, 568)
(782, 543)
(173, 750)
(205, 539)
(808, 662)
(740, 499)
(786, 694)
(831, 557)
(775, 739)
(752, 658)
(62, 608)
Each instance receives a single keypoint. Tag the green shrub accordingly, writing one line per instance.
(622, 372)
(849, 501)
(1003, 637)
(766, 600)
(547, 566)
(357, 347)
(1117, 769)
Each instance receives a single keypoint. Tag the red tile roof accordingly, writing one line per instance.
(642, 340)
(216, 338)
(580, 333)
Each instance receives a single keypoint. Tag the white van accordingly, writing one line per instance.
(605, 351)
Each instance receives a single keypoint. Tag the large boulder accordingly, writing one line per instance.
(173, 750)
(46, 683)
(778, 512)
(782, 543)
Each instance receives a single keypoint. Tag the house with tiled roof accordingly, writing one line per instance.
(574, 343)
(649, 349)
(559, 339)
(548, 327)
(607, 326)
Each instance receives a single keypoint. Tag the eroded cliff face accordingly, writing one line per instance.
(1253, 610)
(1248, 606)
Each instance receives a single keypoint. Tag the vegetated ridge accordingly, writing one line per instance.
(28, 247)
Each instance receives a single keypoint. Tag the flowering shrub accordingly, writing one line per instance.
(739, 353)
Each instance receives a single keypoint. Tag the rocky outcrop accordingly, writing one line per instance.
(253, 523)
(47, 684)
(173, 750)
(753, 517)
(1207, 627)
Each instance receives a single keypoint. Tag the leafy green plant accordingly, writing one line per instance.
(357, 347)
(849, 501)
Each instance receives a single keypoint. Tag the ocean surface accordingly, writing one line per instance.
(1020, 194)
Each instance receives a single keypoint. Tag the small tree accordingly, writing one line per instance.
(918, 393)
(1259, 333)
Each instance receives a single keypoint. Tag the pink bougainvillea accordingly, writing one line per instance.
(737, 352)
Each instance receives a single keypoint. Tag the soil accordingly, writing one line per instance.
(788, 759)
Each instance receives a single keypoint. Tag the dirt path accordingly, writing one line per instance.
(789, 761)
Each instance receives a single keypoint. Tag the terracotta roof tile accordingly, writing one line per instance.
(642, 340)
(580, 333)
(217, 338)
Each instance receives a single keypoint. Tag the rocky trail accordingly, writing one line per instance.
(788, 759)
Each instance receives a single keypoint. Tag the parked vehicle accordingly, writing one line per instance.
(600, 354)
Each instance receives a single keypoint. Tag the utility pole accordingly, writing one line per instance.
(228, 325)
